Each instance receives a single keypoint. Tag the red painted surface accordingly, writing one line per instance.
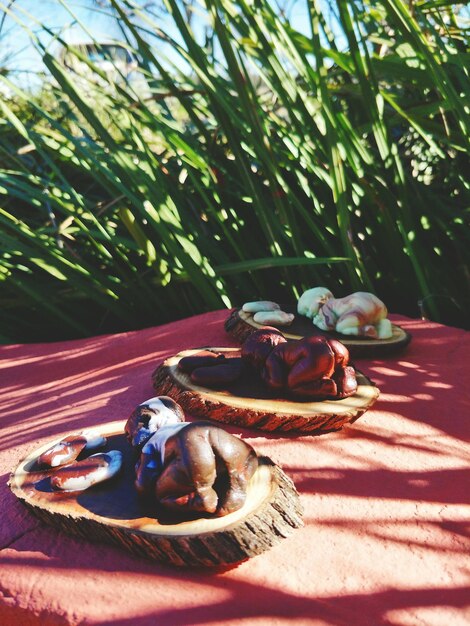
(386, 500)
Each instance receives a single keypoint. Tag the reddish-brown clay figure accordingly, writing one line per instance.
(314, 367)
(83, 474)
(258, 346)
(196, 467)
(203, 358)
(219, 375)
(211, 369)
(69, 448)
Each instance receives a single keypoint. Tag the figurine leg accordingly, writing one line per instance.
(275, 370)
(348, 325)
(322, 388)
(384, 329)
(202, 501)
(187, 480)
(238, 479)
(147, 470)
(369, 330)
(345, 378)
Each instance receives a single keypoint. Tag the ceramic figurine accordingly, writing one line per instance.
(360, 314)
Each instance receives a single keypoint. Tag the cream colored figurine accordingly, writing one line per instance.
(311, 300)
(360, 314)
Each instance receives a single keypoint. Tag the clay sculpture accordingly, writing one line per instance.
(311, 368)
(257, 347)
(268, 313)
(69, 448)
(148, 416)
(194, 467)
(82, 475)
(359, 314)
(211, 369)
(69, 473)
(314, 367)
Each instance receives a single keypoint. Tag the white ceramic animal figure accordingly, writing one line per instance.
(359, 314)
(312, 300)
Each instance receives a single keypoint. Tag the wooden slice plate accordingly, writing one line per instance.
(248, 402)
(112, 512)
(240, 324)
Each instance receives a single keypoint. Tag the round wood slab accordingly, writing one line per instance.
(112, 512)
(240, 324)
(250, 403)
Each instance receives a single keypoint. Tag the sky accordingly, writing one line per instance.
(16, 49)
(17, 52)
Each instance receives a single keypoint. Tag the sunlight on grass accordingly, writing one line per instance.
(255, 162)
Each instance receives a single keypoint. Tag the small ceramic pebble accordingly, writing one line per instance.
(262, 305)
(70, 447)
(218, 375)
(84, 474)
(202, 359)
(274, 318)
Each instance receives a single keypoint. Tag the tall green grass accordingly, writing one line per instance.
(256, 163)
